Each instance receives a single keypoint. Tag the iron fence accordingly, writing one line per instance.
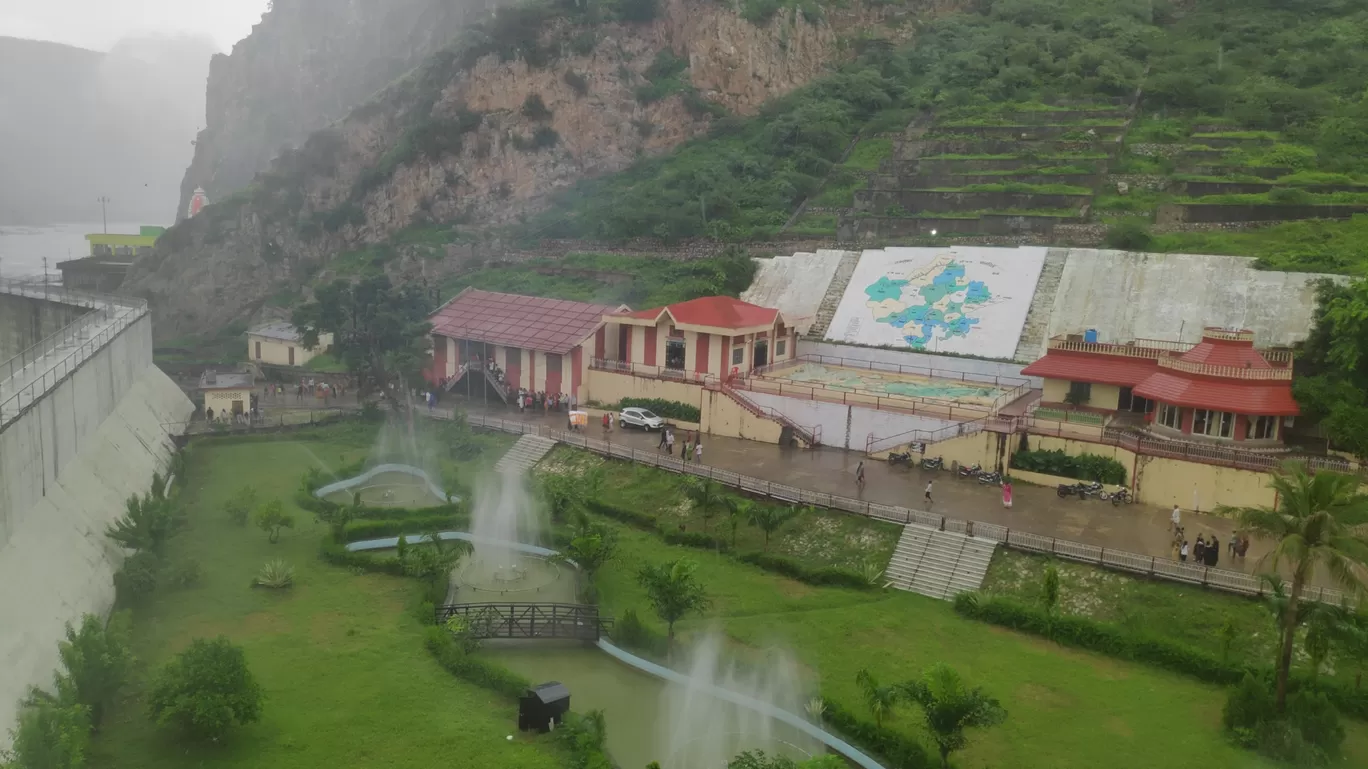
(1152, 566)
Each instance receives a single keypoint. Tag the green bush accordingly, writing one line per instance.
(534, 108)
(631, 633)
(1130, 234)
(1308, 733)
(136, 579)
(356, 531)
(449, 654)
(664, 408)
(577, 82)
(1248, 705)
(899, 750)
(338, 555)
(206, 690)
(790, 567)
(1085, 467)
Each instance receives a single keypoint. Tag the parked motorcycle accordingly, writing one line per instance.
(900, 458)
(993, 478)
(929, 463)
(1090, 489)
(1067, 490)
(973, 471)
(1117, 497)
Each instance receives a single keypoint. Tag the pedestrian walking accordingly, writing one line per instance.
(1233, 543)
(1213, 552)
(1199, 550)
(1183, 552)
(1006, 495)
(684, 450)
(661, 445)
(669, 442)
(860, 475)
(1177, 519)
(698, 451)
(928, 494)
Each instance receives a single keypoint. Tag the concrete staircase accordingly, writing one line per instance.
(939, 564)
(835, 291)
(1031, 345)
(527, 452)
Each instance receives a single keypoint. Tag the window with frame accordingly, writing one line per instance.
(1170, 416)
(1079, 392)
(780, 347)
(1263, 428)
(738, 355)
(1216, 424)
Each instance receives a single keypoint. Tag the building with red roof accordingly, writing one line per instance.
(710, 336)
(526, 342)
(1222, 388)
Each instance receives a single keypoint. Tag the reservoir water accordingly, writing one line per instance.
(22, 249)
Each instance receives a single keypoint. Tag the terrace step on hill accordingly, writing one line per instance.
(527, 452)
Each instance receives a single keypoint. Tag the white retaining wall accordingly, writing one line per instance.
(795, 285)
(848, 427)
(66, 466)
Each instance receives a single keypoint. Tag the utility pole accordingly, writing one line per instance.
(104, 216)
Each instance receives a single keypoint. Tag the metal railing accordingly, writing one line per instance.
(812, 436)
(25, 377)
(1153, 566)
(1153, 349)
(938, 409)
(655, 372)
(1226, 372)
(898, 368)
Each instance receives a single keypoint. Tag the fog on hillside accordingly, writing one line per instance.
(76, 125)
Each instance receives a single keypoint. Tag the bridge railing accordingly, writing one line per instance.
(26, 376)
(528, 620)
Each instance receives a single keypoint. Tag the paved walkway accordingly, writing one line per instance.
(1134, 528)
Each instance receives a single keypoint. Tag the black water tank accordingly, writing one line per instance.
(543, 705)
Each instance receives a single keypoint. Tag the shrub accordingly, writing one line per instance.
(136, 579)
(184, 574)
(577, 82)
(534, 108)
(53, 731)
(450, 655)
(97, 660)
(668, 409)
(275, 574)
(338, 555)
(900, 751)
(631, 633)
(271, 518)
(356, 531)
(1308, 733)
(1129, 235)
(638, 10)
(240, 506)
(1248, 705)
(790, 567)
(206, 690)
(1087, 467)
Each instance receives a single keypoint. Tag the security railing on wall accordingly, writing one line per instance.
(26, 376)
(1152, 566)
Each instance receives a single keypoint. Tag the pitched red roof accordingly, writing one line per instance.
(714, 311)
(1226, 353)
(1239, 396)
(512, 320)
(1098, 369)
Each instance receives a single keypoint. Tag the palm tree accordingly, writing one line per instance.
(880, 699)
(770, 519)
(950, 708)
(674, 591)
(738, 510)
(591, 546)
(1314, 526)
(706, 497)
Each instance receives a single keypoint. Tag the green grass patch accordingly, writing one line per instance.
(815, 537)
(340, 655)
(869, 153)
(1307, 246)
(1018, 188)
(1066, 709)
(814, 224)
(326, 362)
(1268, 135)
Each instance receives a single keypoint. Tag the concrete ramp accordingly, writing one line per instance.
(528, 451)
(1127, 295)
(939, 564)
(794, 284)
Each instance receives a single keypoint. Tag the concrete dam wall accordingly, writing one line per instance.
(26, 320)
(81, 429)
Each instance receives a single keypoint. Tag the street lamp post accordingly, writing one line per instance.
(104, 217)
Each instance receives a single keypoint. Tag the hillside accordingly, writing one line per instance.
(308, 63)
(532, 100)
(78, 124)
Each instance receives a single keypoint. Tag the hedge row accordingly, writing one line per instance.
(449, 655)
(788, 567)
(663, 408)
(1085, 467)
(899, 751)
(324, 508)
(338, 555)
(1114, 641)
(370, 529)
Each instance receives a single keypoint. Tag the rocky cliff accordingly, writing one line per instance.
(481, 134)
(305, 65)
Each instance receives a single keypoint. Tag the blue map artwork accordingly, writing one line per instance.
(934, 303)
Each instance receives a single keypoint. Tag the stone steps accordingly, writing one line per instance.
(938, 564)
(1034, 331)
(836, 289)
(524, 454)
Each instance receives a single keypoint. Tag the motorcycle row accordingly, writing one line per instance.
(1082, 489)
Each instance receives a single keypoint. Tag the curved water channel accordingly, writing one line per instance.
(646, 705)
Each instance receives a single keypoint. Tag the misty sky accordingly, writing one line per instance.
(98, 24)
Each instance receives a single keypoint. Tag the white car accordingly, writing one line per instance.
(635, 417)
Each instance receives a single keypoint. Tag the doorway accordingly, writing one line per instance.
(761, 352)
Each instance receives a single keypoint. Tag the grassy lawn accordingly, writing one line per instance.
(326, 362)
(1066, 708)
(1185, 613)
(815, 537)
(347, 681)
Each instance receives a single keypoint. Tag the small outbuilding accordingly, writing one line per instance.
(543, 706)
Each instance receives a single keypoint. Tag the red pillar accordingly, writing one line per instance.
(724, 356)
(701, 354)
(577, 363)
(1187, 421)
(650, 352)
(599, 337)
(1241, 427)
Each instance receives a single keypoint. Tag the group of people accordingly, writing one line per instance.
(306, 386)
(1205, 551)
(693, 444)
(547, 402)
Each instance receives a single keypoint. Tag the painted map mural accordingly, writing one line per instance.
(965, 300)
